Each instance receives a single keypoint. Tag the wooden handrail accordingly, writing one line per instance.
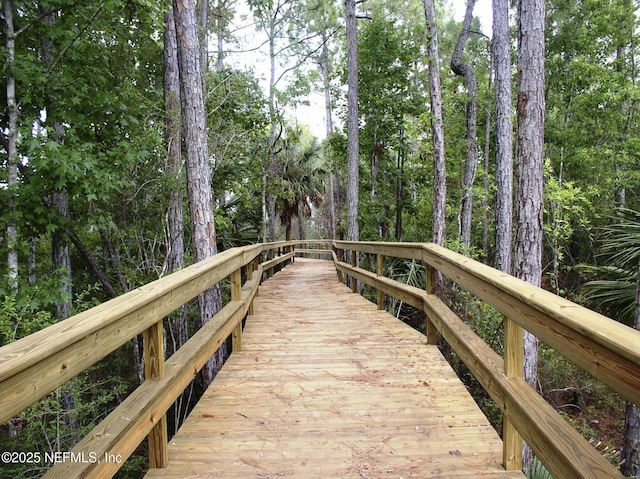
(610, 351)
(32, 367)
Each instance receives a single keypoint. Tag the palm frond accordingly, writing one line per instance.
(616, 295)
(621, 241)
(537, 470)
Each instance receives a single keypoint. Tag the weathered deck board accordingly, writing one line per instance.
(327, 386)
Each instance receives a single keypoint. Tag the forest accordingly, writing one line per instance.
(136, 139)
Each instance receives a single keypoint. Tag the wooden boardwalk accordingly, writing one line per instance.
(327, 386)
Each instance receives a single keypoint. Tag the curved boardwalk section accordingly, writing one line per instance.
(326, 386)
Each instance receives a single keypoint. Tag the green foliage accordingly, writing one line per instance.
(21, 316)
(46, 427)
(567, 212)
(591, 95)
(537, 470)
(615, 290)
(387, 56)
(303, 178)
(237, 123)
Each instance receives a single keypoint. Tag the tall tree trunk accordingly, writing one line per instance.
(630, 450)
(504, 135)
(173, 139)
(487, 153)
(33, 273)
(324, 71)
(437, 128)
(178, 330)
(220, 6)
(61, 256)
(375, 162)
(399, 192)
(531, 105)
(197, 162)
(468, 72)
(300, 222)
(353, 152)
(272, 170)
(60, 251)
(203, 27)
(12, 153)
(288, 228)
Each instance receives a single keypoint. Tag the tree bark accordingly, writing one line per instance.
(173, 140)
(399, 193)
(353, 152)
(437, 128)
(487, 154)
(60, 251)
(300, 222)
(61, 256)
(219, 36)
(197, 162)
(529, 209)
(12, 152)
(504, 135)
(375, 161)
(203, 26)
(468, 72)
(272, 169)
(324, 71)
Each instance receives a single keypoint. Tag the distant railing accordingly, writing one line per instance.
(315, 249)
(606, 349)
(32, 367)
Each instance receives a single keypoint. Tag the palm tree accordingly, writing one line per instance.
(303, 181)
(620, 294)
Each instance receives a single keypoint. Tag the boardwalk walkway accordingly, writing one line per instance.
(326, 386)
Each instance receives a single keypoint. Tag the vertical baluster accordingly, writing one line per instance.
(251, 276)
(380, 272)
(430, 287)
(154, 369)
(513, 368)
(236, 295)
(354, 281)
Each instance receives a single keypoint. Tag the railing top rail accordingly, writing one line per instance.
(488, 283)
(612, 334)
(36, 347)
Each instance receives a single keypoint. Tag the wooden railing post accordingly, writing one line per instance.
(236, 295)
(256, 267)
(250, 276)
(430, 287)
(380, 272)
(339, 255)
(154, 369)
(513, 368)
(354, 261)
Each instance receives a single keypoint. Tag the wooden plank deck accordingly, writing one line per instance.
(326, 386)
